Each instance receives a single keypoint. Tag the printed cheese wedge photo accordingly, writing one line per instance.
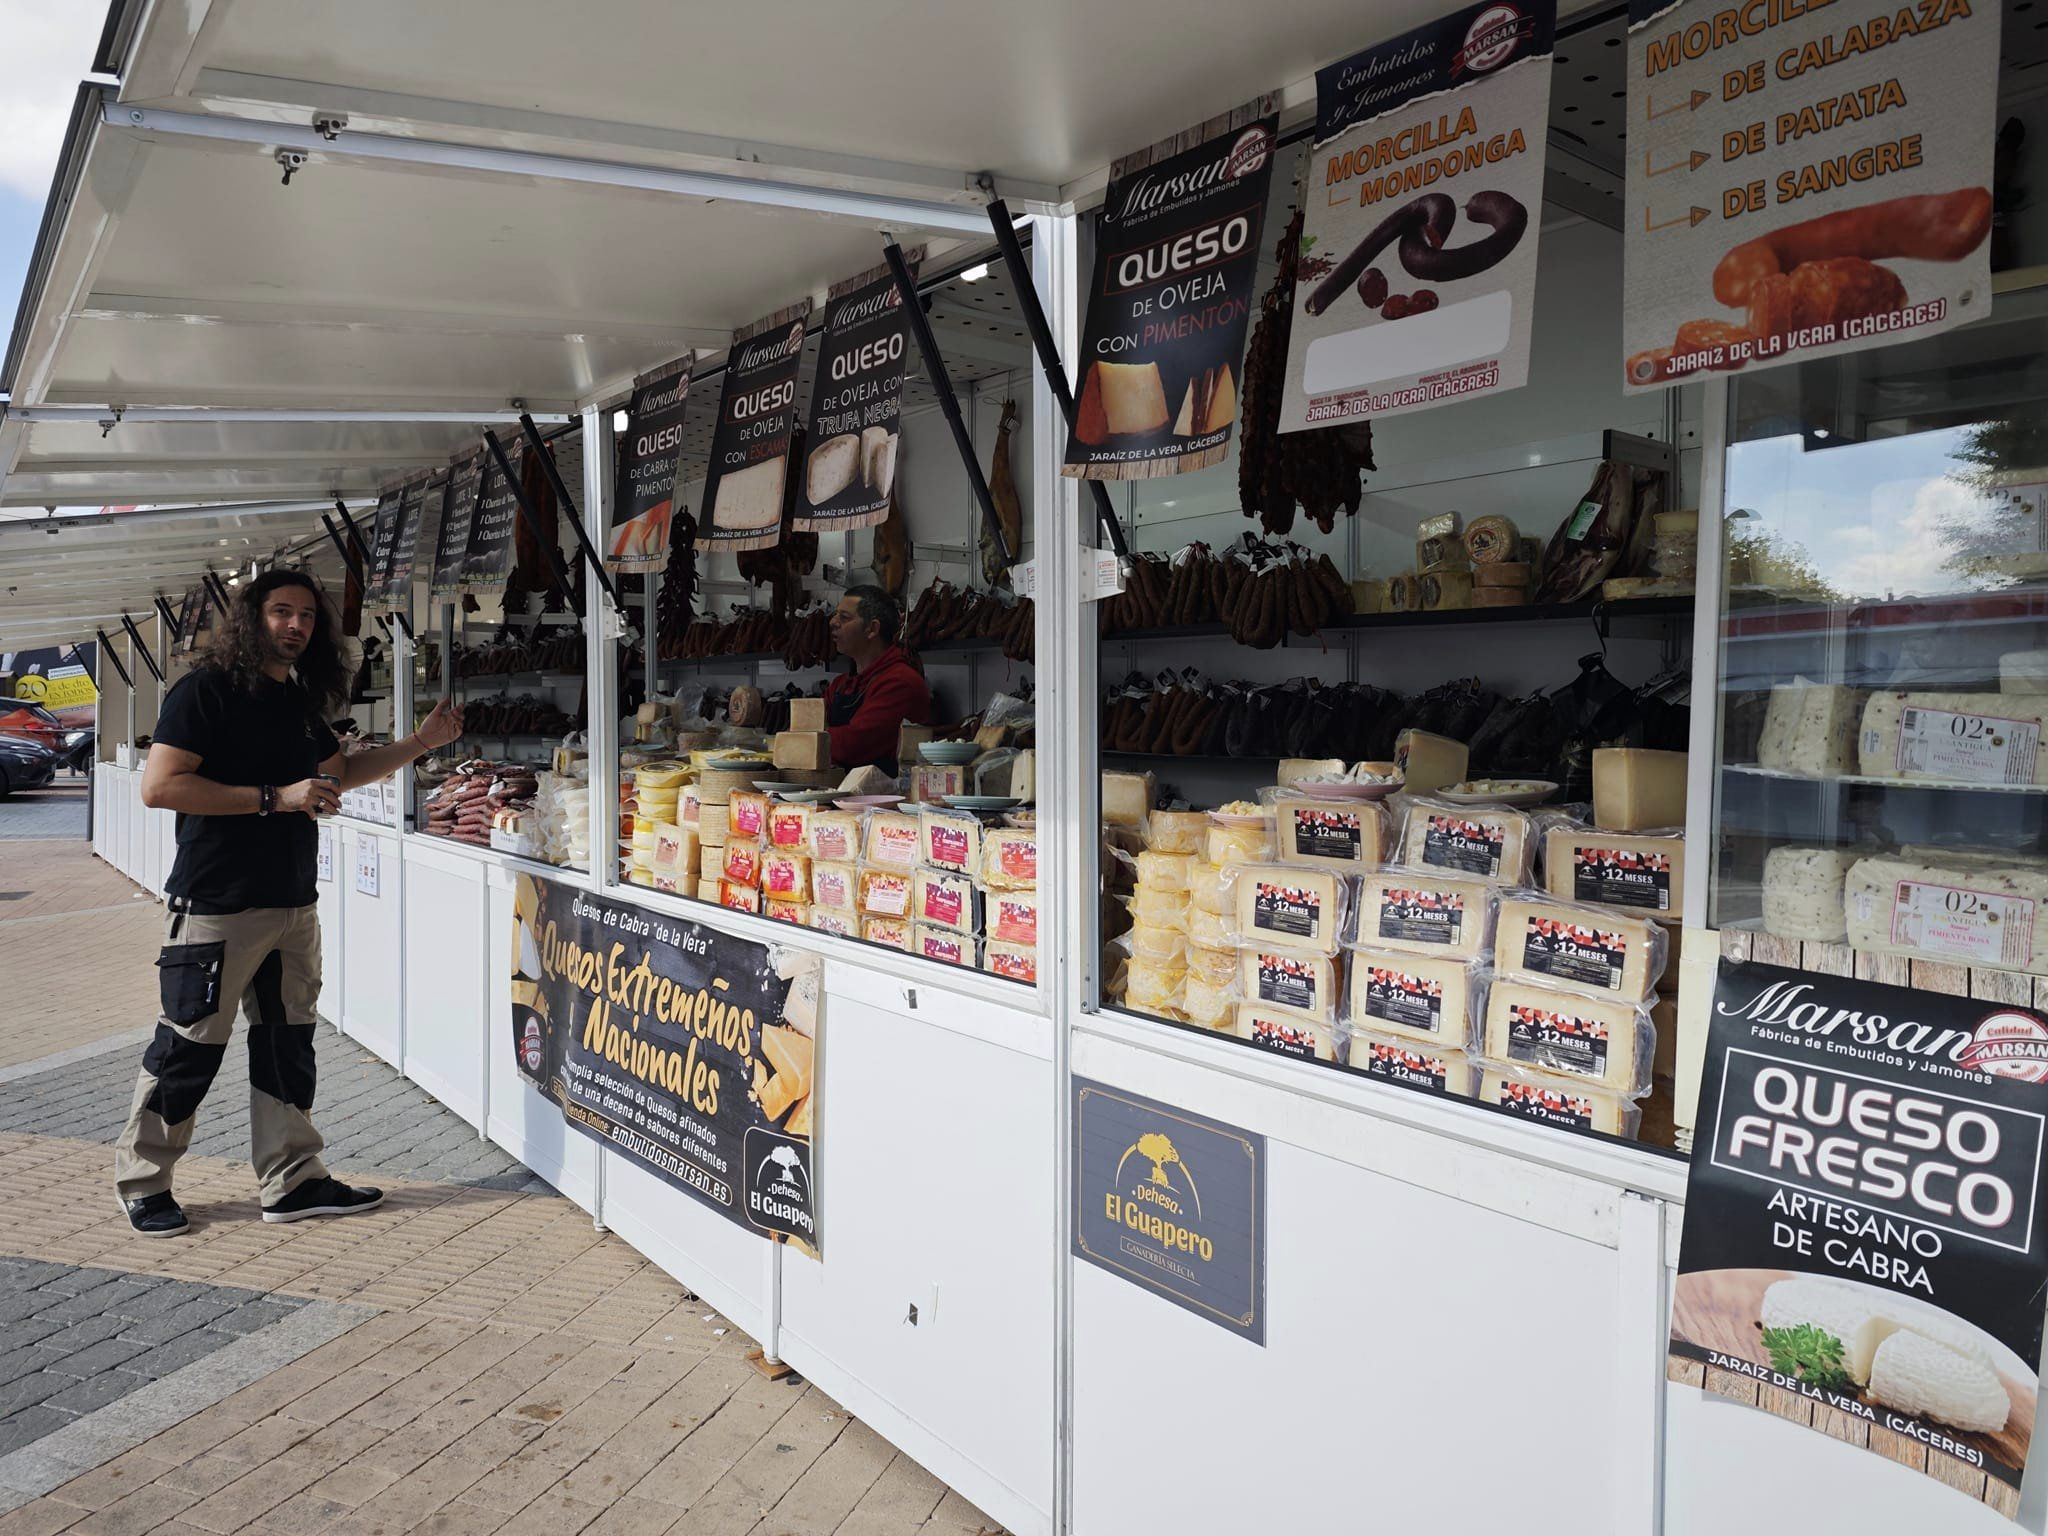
(1917, 1375)
(1120, 400)
(831, 467)
(878, 460)
(750, 497)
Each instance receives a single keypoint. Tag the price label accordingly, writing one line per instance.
(325, 873)
(368, 867)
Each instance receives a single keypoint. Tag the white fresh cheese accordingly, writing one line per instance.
(1917, 1375)
(1810, 728)
(1952, 910)
(1803, 890)
(1970, 738)
(750, 497)
(1863, 1317)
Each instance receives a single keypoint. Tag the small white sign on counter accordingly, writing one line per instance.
(368, 866)
(325, 873)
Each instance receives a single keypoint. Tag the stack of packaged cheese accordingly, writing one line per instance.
(945, 888)
(649, 801)
(1009, 885)
(786, 863)
(885, 879)
(833, 844)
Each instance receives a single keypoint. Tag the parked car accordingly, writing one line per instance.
(25, 764)
(73, 744)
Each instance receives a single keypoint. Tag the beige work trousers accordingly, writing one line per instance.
(264, 961)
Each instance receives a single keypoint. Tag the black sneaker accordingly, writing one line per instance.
(323, 1197)
(156, 1215)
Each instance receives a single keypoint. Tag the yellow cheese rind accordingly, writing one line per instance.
(1557, 1102)
(1635, 790)
(1206, 1002)
(1164, 945)
(1127, 799)
(1164, 872)
(1424, 998)
(1411, 1064)
(1288, 906)
(1206, 888)
(1289, 980)
(1492, 842)
(1600, 951)
(1163, 909)
(1350, 834)
(1284, 1033)
(1214, 964)
(1208, 928)
(1177, 831)
(1425, 912)
(1152, 987)
(1642, 875)
(1239, 845)
(1566, 1034)
(1429, 762)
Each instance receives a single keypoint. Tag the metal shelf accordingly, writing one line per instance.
(1528, 613)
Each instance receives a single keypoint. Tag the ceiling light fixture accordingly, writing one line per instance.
(974, 274)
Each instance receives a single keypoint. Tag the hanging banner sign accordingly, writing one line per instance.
(1803, 180)
(749, 473)
(412, 511)
(856, 406)
(1176, 263)
(188, 619)
(488, 559)
(650, 464)
(686, 1050)
(1866, 1223)
(1417, 278)
(458, 509)
(382, 535)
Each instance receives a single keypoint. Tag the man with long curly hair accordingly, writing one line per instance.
(242, 752)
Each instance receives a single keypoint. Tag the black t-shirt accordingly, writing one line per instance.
(265, 735)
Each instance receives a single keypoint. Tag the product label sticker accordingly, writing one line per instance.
(1422, 916)
(780, 879)
(831, 841)
(943, 949)
(1552, 1106)
(896, 845)
(889, 897)
(1286, 982)
(949, 845)
(1557, 1040)
(1978, 927)
(1286, 909)
(1014, 966)
(1286, 1038)
(1970, 749)
(1462, 843)
(1015, 922)
(748, 817)
(1592, 957)
(1617, 877)
(1401, 997)
(1411, 1069)
(944, 904)
(1017, 859)
(1326, 834)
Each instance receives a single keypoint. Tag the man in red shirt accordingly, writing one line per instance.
(864, 707)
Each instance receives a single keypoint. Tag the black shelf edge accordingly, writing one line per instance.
(1527, 613)
(748, 658)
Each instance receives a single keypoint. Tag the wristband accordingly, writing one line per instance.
(267, 800)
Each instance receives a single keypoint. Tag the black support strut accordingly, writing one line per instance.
(142, 649)
(537, 444)
(107, 650)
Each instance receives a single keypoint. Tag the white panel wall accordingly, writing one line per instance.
(447, 949)
(373, 975)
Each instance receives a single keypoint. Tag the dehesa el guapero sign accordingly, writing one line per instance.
(1864, 1249)
(682, 1048)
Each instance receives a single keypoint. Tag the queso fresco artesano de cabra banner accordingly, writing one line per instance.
(1176, 260)
(1417, 281)
(1864, 1249)
(682, 1048)
(748, 477)
(1805, 177)
(650, 463)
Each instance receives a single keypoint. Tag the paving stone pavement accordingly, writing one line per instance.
(58, 811)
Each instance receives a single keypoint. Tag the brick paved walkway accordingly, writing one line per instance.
(56, 811)
(470, 1358)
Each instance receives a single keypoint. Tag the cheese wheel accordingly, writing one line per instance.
(1415, 997)
(1151, 986)
(1167, 946)
(944, 898)
(1425, 912)
(1349, 833)
(1163, 909)
(1599, 951)
(1287, 906)
(1493, 540)
(1177, 831)
(1217, 966)
(1543, 1029)
(1164, 872)
(1412, 1065)
(1557, 1102)
(1300, 983)
(1499, 597)
(1239, 845)
(1284, 1033)
(1207, 1003)
(1207, 888)
(1208, 928)
(1490, 841)
(660, 776)
(1613, 869)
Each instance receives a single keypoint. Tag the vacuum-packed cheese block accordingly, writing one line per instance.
(1166, 945)
(1009, 859)
(834, 886)
(1214, 964)
(1615, 869)
(1206, 887)
(1012, 916)
(1127, 799)
(1810, 729)
(1152, 986)
(1286, 1034)
(1287, 906)
(933, 783)
(1955, 911)
(1017, 962)
(1556, 1101)
(688, 804)
(1411, 1064)
(1429, 762)
(1567, 1034)
(741, 898)
(784, 911)
(1597, 950)
(785, 875)
(1177, 831)
(884, 892)
(943, 945)
(892, 931)
(1281, 978)
(748, 810)
(1164, 909)
(944, 898)
(1164, 872)
(675, 848)
(834, 835)
(742, 864)
(666, 880)
(789, 826)
(844, 925)
(1804, 891)
(949, 839)
(1635, 790)
(1417, 909)
(1210, 928)
(1963, 738)
(1492, 841)
(892, 839)
(1206, 1002)
(1239, 845)
(1416, 997)
(1351, 833)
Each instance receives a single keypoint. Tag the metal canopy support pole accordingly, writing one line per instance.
(218, 593)
(170, 619)
(553, 471)
(531, 518)
(142, 649)
(1049, 359)
(107, 650)
(935, 367)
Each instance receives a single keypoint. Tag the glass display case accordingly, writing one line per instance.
(1882, 791)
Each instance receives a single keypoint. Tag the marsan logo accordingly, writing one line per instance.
(2009, 1045)
(1490, 40)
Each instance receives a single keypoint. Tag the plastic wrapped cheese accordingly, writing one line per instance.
(834, 886)
(1164, 909)
(1167, 946)
(785, 911)
(1279, 978)
(1810, 729)
(675, 849)
(1953, 910)
(1177, 831)
(789, 826)
(944, 898)
(1164, 872)
(1286, 1034)
(1600, 951)
(1490, 841)
(748, 809)
(1016, 962)
(742, 863)
(1210, 928)
(891, 931)
(1416, 997)
(1348, 833)
(1804, 891)
(1287, 906)
(827, 920)
(1218, 966)
(943, 945)
(710, 888)
(884, 892)
(1238, 845)
(1206, 887)
(1009, 859)
(1644, 874)
(1964, 738)
(891, 840)
(948, 839)
(786, 876)
(1556, 1101)
(1411, 1064)
(741, 898)
(835, 835)
(1152, 987)
(1546, 1029)
(1426, 912)
(1207, 1003)
(1012, 917)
